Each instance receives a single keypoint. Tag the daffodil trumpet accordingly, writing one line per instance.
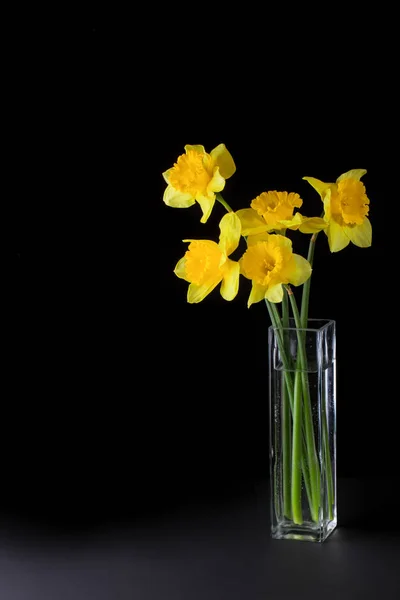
(206, 264)
(197, 176)
(346, 209)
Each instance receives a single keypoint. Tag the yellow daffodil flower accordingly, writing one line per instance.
(197, 176)
(206, 263)
(269, 262)
(346, 208)
(273, 211)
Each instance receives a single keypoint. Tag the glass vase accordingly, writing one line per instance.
(302, 401)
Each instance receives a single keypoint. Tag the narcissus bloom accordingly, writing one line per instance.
(197, 176)
(206, 263)
(269, 262)
(346, 208)
(273, 211)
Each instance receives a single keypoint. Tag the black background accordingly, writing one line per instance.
(121, 377)
(123, 401)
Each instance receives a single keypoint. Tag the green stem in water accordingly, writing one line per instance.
(277, 325)
(297, 448)
(301, 380)
(276, 475)
(327, 455)
(289, 387)
(297, 452)
(286, 422)
(304, 323)
(276, 322)
(222, 201)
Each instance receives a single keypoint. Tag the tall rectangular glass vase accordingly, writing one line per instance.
(302, 400)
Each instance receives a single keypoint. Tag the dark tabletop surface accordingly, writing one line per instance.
(205, 550)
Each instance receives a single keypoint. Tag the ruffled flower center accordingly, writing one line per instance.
(263, 263)
(276, 206)
(202, 261)
(350, 203)
(189, 175)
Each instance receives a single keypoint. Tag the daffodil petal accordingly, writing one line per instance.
(208, 243)
(223, 159)
(231, 230)
(176, 199)
(230, 281)
(313, 225)
(327, 205)
(259, 237)
(180, 269)
(299, 270)
(361, 235)
(198, 149)
(206, 205)
(305, 224)
(337, 237)
(257, 294)
(217, 182)
(166, 175)
(282, 241)
(353, 174)
(318, 185)
(251, 221)
(197, 293)
(274, 293)
(293, 223)
(279, 240)
(208, 164)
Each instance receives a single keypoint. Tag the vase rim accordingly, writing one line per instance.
(324, 324)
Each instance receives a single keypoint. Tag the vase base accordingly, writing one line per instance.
(308, 532)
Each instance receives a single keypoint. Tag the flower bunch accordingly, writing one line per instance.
(269, 261)
(272, 267)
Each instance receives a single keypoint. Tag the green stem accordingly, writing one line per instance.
(297, 452)
(304, 323)
(277, 325)
(285, 310)
(328, 465)
(276, 322)
(306, 473)
(223, 202)
(286, 423)
(305, 300)
(276, 475)
(303, 385)
(298, 463)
